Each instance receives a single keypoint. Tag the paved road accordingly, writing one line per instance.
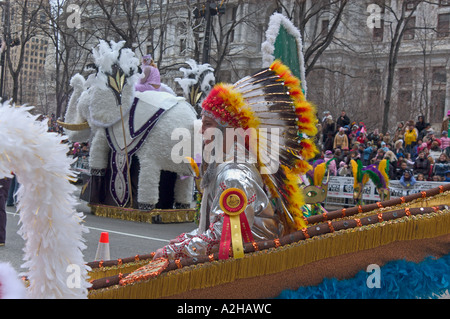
(126, 238)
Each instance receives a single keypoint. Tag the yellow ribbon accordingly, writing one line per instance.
(233, 202)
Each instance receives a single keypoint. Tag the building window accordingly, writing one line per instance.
(378, 32)
(324, 27)
(375, 78)
(404, 101)
(233, 18)
(439, 75)
(410, 29)
(182, 46)
(443, 26)
(405, 76)
(444, 3)
(437, 105)
(410, 4)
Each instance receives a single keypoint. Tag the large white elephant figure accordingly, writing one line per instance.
(109, 104)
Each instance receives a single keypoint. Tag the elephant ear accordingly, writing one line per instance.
(116, 82)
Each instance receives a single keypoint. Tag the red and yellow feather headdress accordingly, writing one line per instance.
(272, 99)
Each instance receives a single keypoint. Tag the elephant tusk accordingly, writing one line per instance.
(74, 127)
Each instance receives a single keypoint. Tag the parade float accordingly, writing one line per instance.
(323, 258)
(335, 245)
(131, 141)
(326, 257)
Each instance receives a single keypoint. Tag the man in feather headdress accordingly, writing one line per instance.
(246, 198)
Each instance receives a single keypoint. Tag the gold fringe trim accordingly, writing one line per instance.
(436, 200)
(103, 272)
(283, 258)
(167, 215)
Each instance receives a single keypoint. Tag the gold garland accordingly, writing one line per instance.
(436, 200)
(167, 215)
(439, 199)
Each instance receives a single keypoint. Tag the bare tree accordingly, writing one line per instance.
(69, 50)
(317, 22)
(426, 37)
(135, 22)
(224, 33)
(397, 26)
(23, 23)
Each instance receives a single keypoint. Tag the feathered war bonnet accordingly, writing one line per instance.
(272, 102)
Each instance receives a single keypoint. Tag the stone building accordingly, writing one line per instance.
(350, 73)
(30, 44)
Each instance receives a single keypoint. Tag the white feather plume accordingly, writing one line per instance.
(268, 48)
(50, 225)
(11, 287)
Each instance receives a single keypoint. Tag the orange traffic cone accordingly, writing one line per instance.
(103, 247)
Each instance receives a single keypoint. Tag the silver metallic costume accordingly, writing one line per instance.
(262, 219)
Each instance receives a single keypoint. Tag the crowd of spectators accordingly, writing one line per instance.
(415, 151)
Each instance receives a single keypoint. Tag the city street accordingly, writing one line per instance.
(126, 238)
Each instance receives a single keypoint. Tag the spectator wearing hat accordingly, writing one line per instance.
(422, 147)
(398, 147)
(435, 150)
(352, 135)
(431, 138)
(328, 131)
(407, 179)
(445, 140)
(361, 138)
(340, 140)
(344, 169)
(411, 136)
(332, 165)
(447, 176)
